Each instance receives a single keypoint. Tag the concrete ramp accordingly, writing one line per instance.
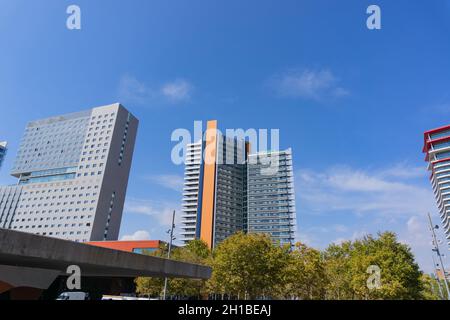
(30, 251)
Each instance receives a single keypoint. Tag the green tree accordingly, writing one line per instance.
(195, 251)
(337, 272)
(251, 266)
(149, 286)
(431, 290)
(347, 267)
(304, 275)
(247, 265)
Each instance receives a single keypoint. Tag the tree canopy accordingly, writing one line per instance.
(252, 266)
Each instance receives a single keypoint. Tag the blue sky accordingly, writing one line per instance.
(352, 103)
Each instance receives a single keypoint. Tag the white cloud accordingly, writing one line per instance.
(159, 215)
(442, 108)
(308, 84)
(178, 90)
(361, 192)
(169, 181)
(135, 91)
(138, 235)
(395, 198)
(159, 210)
(314, 236)
(414, 225)
(132, 90)
(305, 238)
(355, 236)
(417, 235)
(404, 171)
(138, 207)
(340, 228)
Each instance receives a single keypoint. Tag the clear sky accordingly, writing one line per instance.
(353, 103)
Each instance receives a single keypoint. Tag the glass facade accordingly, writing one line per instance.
(52, 143)
(146, 251)
(230, 188)
(72, 173)
(441, 134)
(270, 196)
(3, 150)
(443, 155)
(59, 174)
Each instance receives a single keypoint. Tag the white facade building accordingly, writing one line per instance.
(191, 191)
(72, 175)
(271, 196)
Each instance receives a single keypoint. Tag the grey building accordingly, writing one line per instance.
(236, 192)
(3, 149)
(9, 201)
(230, 188)
(214, 193)
(72, 173)
(271, 196)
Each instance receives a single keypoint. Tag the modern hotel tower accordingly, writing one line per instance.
(72, 173)
(437, 149)
(271, 197)
(214, 190)
(225, 193)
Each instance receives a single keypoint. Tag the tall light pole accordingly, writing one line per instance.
(438, 252)
(169, 251)
(441, 294)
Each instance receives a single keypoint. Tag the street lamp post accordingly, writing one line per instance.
(441, 294)
(436, 249)
(169, 251)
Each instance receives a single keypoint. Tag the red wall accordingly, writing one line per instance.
(127, 245)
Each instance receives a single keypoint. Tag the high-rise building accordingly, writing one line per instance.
(72, 173)
(437, 149)
(191, 192)
(214, 189)
(224, 192)
(3, 149)
(271, 197)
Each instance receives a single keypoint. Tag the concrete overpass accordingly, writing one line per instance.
(30, 263)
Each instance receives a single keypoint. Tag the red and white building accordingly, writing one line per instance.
(437, 150)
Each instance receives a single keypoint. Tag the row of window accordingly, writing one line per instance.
(60, 190)
(92, 173)
(104, 115)
(57, 233)
(58, 210)
(443, 155)
(124, 139)
(441, 134)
